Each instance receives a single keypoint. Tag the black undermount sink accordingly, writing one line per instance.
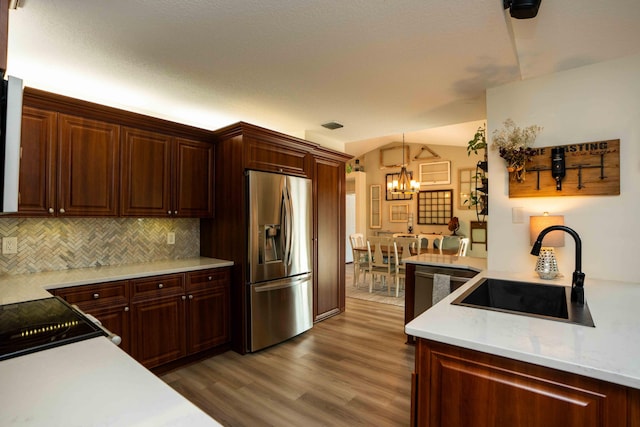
(551, 302)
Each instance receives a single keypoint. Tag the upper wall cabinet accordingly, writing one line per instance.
(270, 156)
(84, 159)
(69, 165)
(165, 176)
(193, 172)
(88, 167)
(37, 163)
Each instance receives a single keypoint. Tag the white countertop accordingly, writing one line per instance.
(24, 287)
(471, 263)
(609, 352)
(89, 383)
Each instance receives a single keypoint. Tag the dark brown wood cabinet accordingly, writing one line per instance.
(162, 319)
(69, 165)
(165, 176)
(274, 156)
(193, 178)
(457, 387)
(208, 302)
(329, 231)
(158, 319)
(88, 167)
(146, 173)
(107, 302)
(241, 147)
(84, 159)
(37, 183)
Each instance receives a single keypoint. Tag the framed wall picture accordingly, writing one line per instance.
(466, 187)
(390, 196)
(375, 209)
(399, 213)
(435, 173)
(435, 207)
(393, 157)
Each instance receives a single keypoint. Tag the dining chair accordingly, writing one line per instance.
(403, 247)
(380, 263)
(462, 247)
(430, 241)
(360, 258)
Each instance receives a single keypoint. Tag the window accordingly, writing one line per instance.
(375, 218)
(399, 213)
(435, 173)
(435, 207)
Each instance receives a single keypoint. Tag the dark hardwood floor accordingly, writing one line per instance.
(351, 369)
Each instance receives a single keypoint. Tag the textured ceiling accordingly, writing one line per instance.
(379, 67)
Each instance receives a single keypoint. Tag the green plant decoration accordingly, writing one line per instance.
(479, 141)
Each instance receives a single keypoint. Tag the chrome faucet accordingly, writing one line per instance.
(577, 282)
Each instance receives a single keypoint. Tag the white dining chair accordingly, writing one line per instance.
(380, 264)
(431, 238)
(462, 247)
(360, 258)
(403, 248)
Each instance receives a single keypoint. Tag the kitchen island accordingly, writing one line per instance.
(419, 296)
(537, 367)
(91, 382)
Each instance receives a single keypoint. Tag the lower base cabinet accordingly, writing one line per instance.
(166, 318)
(107, 302)
(456, 387)
(208, 302)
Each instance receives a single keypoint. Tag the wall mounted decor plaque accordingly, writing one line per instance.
(584, 169)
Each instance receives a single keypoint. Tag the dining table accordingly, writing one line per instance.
(385, 250)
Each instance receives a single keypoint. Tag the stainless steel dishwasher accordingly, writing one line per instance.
(424, 284)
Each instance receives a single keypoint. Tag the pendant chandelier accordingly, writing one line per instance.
(403, 185)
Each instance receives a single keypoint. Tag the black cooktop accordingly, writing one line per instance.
(31, 326)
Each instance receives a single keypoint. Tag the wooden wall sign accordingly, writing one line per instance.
(592, 168)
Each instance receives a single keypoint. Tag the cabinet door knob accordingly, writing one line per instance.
(96, 296)
(169, 212)
(190, 296)
(62, 210)
(126, 308)
(160, 286)
(175, 212)
(210, 277)
(184, 297)
(51, 210)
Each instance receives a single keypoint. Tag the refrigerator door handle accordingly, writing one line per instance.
(288, 226)
(281, 284)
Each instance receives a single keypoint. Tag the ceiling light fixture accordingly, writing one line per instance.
(405, 184)
(522, 9)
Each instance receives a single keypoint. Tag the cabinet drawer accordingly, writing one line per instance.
(206, 279)
(158, 286)
(112, 293)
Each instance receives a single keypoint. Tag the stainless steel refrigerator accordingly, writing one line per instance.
(280, 277)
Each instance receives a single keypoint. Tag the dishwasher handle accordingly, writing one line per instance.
(451, 278)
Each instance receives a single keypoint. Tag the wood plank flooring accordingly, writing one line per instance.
(351, 369)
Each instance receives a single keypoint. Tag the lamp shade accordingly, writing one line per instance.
(538, 223)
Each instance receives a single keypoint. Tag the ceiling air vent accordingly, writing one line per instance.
(332, 125)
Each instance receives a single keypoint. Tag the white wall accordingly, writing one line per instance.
(592, 103)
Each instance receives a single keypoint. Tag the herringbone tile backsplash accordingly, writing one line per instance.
(62, 243)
